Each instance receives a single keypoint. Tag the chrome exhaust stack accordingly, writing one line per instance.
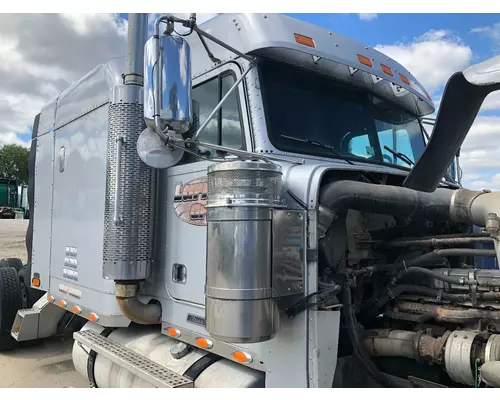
(129, 210)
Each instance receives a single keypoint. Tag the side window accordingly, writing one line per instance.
(225, 128)
(205, 98)
(231, 126)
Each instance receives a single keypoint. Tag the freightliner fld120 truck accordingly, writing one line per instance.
(252, 202)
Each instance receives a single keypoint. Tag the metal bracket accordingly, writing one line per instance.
(288, 252)
(312, 254)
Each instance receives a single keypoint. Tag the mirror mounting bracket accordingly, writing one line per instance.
(186, 144)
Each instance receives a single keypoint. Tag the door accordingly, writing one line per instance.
(183, 190)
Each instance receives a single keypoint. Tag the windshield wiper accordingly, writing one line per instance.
(318, 144)
(401, 156)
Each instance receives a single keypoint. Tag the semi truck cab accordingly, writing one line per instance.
(228, 208)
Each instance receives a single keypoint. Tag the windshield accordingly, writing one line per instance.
(354, 123)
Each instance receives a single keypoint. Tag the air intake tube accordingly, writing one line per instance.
(388, 200)
(462, 205)
(463, 96)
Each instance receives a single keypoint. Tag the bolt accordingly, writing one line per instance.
(465, 337)
(455, 335)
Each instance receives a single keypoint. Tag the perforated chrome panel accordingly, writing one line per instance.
(244, 183)
(128, 243)
(139, 365)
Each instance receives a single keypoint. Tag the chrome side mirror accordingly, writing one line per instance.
(167, 84)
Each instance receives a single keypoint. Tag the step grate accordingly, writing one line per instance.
(137, 364)
(28, 311)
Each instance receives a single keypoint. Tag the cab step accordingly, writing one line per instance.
(135, 363)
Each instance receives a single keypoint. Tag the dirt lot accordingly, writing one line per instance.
(12, 238)
(44, 364)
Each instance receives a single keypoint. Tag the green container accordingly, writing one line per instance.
(8, 193)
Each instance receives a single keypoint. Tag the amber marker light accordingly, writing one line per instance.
(173, 332)
(365, 60)
(387, 70)
(404, 79)
(204, 343)
(242, 357)
(306, 41)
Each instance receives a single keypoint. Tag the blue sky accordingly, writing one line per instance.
(392, 28)
(431, 46)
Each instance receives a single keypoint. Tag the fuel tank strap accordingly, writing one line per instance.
(91, 360)
(201, 365)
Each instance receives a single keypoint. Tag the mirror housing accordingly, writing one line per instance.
(167, 84)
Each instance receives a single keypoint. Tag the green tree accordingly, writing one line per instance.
(14, 163)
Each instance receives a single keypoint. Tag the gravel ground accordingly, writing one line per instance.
(13, 238)
(44, 364)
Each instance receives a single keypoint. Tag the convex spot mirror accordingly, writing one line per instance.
(167, 82)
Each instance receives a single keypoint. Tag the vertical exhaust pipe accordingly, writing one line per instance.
(129, 212)
(137, 36)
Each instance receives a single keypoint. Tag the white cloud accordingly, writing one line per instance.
(492, 31)
(432, 57)
(85, 24)
(40, 61)
(367, 17)
(479, 156)
(484, 134)
(11, 138)
(492, 102)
